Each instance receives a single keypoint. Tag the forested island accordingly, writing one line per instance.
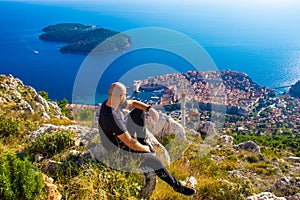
(82, 39)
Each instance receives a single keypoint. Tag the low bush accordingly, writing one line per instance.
(84, 115)
(15, 129)
(93, 180)
(224, 189)
(18, 180)
(58, 122)
(252, 159)
(262, 168)
(52, 143)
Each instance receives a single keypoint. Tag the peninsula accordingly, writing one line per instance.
(82, 39)
(295, 90)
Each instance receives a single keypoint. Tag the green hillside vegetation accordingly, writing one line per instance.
(222, 172)
(83, 39)
(277, 144)
(82, 176)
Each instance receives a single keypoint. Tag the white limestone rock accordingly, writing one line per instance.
(294, 197)
(226, 139)
(191, 181)
(265, 196)
(42, 100)
(293, 159)
(282, 184)
(165, 126)
(161, 151)
(208, 128)
(248, 146)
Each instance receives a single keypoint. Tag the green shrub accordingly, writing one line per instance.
(262, 168)
(95, 181)
(62, 105)
(15, 128)
(58, 122)
(44, 94)
(252, 159)
(232, 158)
(224, 189)
(52, 143)
(85, 115)
(18, 180)
(272, 145)
(227, 165)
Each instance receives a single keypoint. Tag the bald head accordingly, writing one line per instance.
(116, 89)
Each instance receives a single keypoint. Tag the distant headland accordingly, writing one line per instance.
(82, 39)
(295, 90)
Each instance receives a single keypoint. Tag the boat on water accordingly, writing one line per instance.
(36, 52)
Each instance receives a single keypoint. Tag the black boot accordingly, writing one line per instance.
(185, 190)
(173, 182)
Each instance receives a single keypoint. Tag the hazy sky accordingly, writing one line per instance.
(279, 7)
(271, 3)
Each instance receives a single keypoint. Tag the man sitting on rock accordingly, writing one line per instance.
(116, 133)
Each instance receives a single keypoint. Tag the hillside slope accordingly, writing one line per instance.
(221, 166)
(21, 99)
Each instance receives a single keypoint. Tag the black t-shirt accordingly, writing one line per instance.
(111, 124)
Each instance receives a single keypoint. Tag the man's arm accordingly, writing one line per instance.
(132, 143)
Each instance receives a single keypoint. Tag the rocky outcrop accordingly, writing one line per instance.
(161, 151)
(89, 137)
(286, 185)
(282, 184)
(207, 128)
(226, 140)
(51, 166)
(294, 197)
(271, 196)
(165, 126)
(17, 97)
(265, 196)
(293, 159)
(190, 182)
(53, 193)
(248, 146)
(86, 136)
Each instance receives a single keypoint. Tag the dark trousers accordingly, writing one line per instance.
(136, 127)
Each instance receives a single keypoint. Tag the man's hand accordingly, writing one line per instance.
(148, 149)
(133, 143)
(154, 114)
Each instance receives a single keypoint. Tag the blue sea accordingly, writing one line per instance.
(260, 39)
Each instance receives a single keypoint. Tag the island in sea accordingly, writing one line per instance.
(82, 39)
